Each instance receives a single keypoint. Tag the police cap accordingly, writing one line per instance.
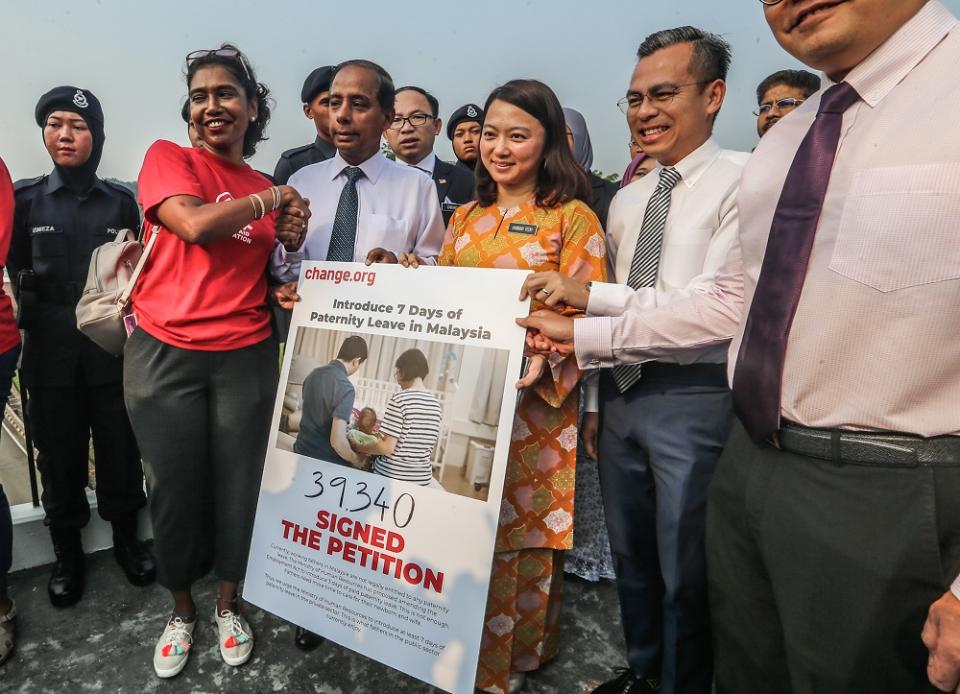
(317, 81)
(79, 101)
(464, 113)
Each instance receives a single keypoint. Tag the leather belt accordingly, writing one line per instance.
(878, 449)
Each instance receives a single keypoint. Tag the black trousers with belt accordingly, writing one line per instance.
(659, 444)
(821, 573)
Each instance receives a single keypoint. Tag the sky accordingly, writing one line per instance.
(131, 53)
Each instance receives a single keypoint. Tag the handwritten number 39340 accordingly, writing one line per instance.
(362, 496)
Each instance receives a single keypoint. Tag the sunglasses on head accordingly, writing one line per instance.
(228, 53)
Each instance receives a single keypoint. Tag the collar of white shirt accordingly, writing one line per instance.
(887, 66)
(692, 166)
(372, 167)
(427, 164)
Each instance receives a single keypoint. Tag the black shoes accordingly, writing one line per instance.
(132, 555)
(306, 640)
(65, 587)
(628, 683)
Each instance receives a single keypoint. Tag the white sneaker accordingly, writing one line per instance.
(173, 647)
(236, 639)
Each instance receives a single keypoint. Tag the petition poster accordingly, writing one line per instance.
(381, 489)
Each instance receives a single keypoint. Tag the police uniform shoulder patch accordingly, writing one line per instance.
(120, 187)
(25, 183)
(290, 153)
(80, 99)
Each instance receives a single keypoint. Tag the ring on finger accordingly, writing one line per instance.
(545, 291)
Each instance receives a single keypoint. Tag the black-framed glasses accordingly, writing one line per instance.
(414, 119)
(228, 53)
(771, 2)
(661, 97)
(781, 104)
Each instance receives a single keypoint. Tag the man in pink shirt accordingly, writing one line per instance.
(833, 534)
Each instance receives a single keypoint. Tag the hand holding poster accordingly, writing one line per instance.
(381, 488)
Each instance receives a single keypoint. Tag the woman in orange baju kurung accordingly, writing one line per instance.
(530, 216)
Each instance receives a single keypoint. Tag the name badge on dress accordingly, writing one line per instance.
(518, 228)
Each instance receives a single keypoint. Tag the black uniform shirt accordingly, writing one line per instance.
(295, 159)
(54, 233)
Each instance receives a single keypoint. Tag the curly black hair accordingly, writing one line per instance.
(242, 71)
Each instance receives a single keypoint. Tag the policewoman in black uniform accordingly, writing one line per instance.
(74, 387)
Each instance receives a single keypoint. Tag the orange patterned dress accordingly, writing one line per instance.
(536, 513)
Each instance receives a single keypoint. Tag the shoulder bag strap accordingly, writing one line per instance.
(125, 296)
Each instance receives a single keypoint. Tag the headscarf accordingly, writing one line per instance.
(582, 149)
(632, 169)
(78, 179)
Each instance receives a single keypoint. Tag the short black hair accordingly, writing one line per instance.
(185, 111)
(386, 92)
(711, 53)
(412, 364)
(353, 347)
(431, 99)
(806, 82)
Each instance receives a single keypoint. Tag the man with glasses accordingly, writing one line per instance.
(780, 93)
(833, 527)
(663, 426)
(411, 135)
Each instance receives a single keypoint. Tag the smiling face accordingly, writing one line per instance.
(409, 143)
(836, 35)
(668, 128)
(67, 138)
(220, 111)
(466, 141)
(357, 120)
(511, 147)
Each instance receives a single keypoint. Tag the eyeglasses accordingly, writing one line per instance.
(228, 53)
(771, 2)
(781, 104)
(414, 119)
(661, 97)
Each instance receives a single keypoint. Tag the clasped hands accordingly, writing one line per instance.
(549, 332)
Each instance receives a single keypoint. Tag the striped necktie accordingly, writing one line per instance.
(646, 257)
(344, 234)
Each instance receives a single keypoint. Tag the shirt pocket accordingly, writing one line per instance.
(900, 227)
(48, 248)
(381, 231)
(683, 255)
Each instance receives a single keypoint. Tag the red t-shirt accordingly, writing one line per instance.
(9, 335)
(209, 296)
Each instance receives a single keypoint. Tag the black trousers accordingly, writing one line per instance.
(821, 574)
(659, 444)
(61, 422)
(202, 420)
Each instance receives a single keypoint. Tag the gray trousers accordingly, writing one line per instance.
(821, 574)
(202, 420)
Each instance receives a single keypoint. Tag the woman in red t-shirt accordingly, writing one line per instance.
(200, 370)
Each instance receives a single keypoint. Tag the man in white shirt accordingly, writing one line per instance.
(663, 429)
(416, 124)
(372, 208)
(832, 539)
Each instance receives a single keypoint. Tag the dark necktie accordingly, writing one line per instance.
(344, 234)
(646, 257)
(758, 374)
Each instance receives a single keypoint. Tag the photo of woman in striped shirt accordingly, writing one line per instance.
(411, 425)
